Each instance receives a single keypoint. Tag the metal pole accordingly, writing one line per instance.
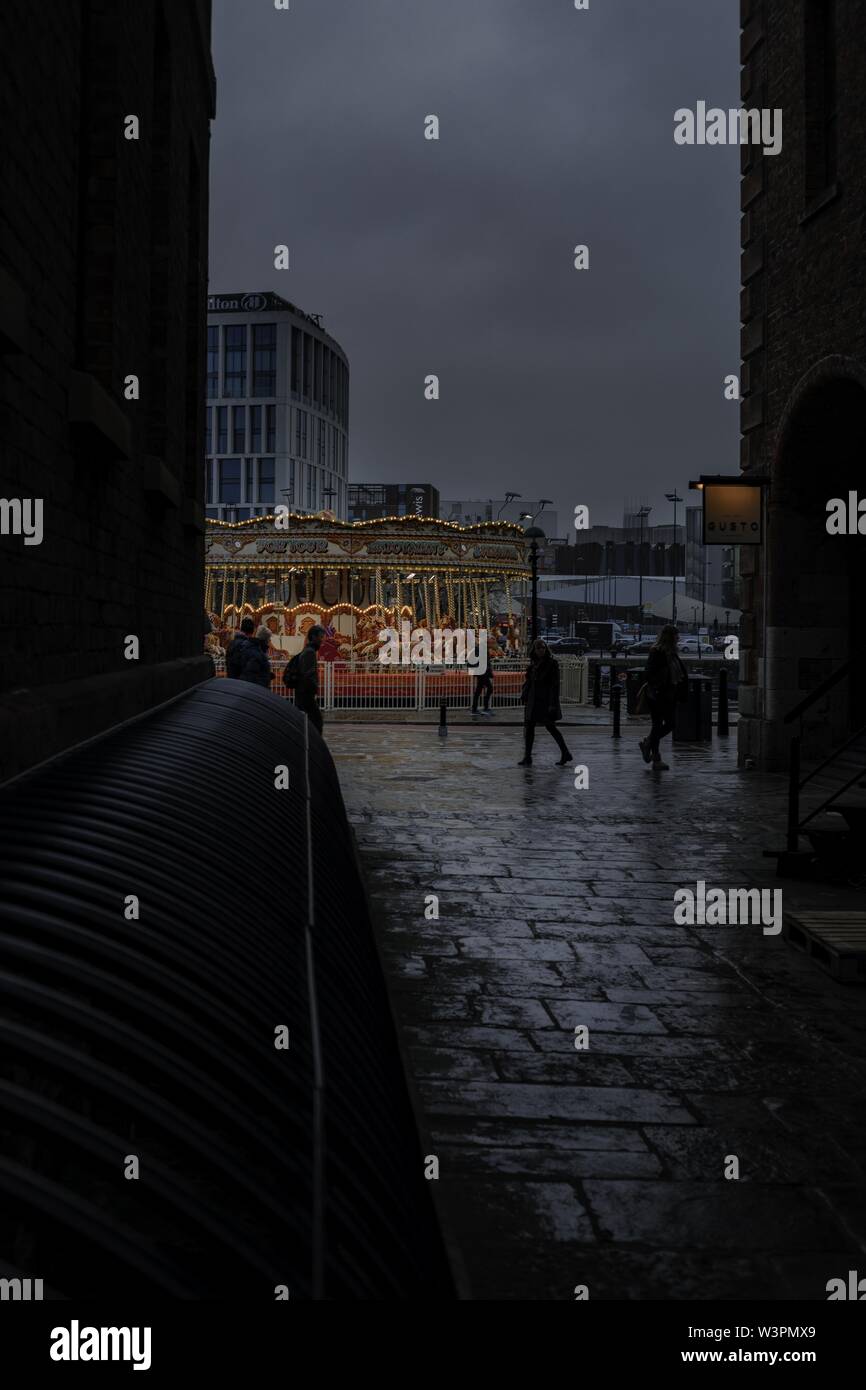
(675, 560)
(534, 562)
(617, 701)
(722, 726)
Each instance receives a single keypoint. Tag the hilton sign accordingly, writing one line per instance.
(256, 303)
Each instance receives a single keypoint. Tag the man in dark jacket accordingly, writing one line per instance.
(541, 701)
(237, 647)
(307, 688)
(256, 666)
(667, 683)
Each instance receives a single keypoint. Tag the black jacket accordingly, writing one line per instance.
(307, 687)
(235, 654)
(541, 692)
(658, 678)
(256, 665)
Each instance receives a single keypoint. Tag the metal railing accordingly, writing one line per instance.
(372, 685)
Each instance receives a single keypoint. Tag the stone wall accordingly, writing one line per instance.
(103, 276)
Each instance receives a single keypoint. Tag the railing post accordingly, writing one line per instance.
(722, 726)
(617, 709)
(614, 683)
(794, 795)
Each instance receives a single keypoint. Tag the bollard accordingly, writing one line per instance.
(596, 685)
(722, 718)
(613, 683)
(617, 707)
(443, 719)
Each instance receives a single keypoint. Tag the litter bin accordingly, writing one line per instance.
(633, 682)
(693, 720)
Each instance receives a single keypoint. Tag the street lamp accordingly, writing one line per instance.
(509, 497)
(643, 514)
(542, 503)
(675, 498)
(534, 534)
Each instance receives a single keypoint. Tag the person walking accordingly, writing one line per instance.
(483, 688)
(302, 674)
(237, 647)
(667, 683)
(256, 666)
(540, 697)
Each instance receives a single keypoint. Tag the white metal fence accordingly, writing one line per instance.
(371, 685)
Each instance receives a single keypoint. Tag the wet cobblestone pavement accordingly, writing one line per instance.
(606, 1167)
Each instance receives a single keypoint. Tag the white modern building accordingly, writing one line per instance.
(277, 410)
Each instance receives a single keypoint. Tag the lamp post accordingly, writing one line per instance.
(509, 497)
(534, 534)
(643, 514)
(675, 498)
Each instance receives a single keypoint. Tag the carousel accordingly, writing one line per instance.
(356, 578)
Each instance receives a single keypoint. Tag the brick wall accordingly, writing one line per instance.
(803, 297)
(103, 248)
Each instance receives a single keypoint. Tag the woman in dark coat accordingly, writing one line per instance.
(256, 665)
(667, 684)
(541, 701)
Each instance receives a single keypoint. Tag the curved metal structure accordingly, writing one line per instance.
(154, 1037)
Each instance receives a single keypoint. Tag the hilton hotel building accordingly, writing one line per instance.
(277, 410)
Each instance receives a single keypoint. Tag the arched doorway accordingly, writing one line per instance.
(816, 582)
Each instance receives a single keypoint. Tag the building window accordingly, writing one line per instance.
(208, 479)
(267, 480)
(264, 359)
(208, 430)
(255, 429)
(222, 429)
(235, 374)
(239, 429)
(309, 490)
(292, 482)
(321, 455)
(819, 48)
(230, 480)
(307, 365)
(271, 428)
(297, 348)
(332, 383)
(213, 360)
(248, 472)
(317, 372)
(213, 513)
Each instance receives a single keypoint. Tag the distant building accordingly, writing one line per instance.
(370, 500)
(103, 284)
(710, 569)
(470, 511)
(803, 373)
(277, 410)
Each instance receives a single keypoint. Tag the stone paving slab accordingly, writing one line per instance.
(606, 1166)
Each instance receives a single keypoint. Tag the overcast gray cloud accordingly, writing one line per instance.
(456, 257)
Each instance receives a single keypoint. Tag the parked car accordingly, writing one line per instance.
(624, 643)
(569, 646)
(693, 646)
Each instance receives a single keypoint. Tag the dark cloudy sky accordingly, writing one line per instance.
(456, 257)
